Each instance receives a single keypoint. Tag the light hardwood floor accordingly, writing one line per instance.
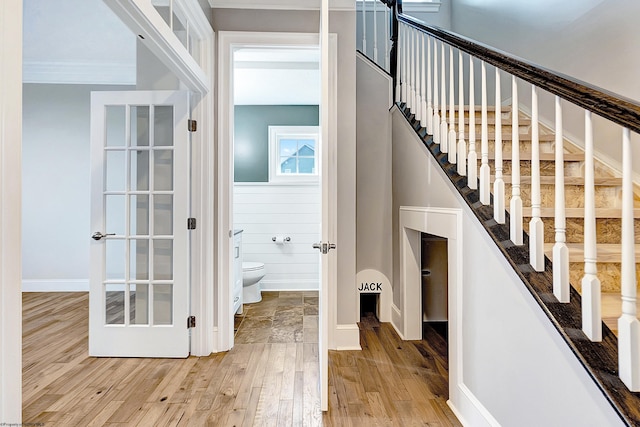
(266, 379)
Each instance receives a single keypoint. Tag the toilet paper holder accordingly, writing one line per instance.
(286, 239)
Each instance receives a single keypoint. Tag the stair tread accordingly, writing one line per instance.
(568, 180)
(506, 137)
(606, 252)
(549, 212)
(505, 122)
(545, 157)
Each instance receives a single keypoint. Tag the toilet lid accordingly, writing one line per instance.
(249, 266)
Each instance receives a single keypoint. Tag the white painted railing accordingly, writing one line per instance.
(373, 30)
(423, 79)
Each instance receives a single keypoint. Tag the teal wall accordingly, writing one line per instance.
(251, 135)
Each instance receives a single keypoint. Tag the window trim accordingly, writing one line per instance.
(276, 133)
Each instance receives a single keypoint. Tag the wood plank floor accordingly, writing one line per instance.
(266, 379)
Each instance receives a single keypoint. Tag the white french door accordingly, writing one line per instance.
(139, 274)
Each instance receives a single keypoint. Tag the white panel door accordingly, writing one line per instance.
(139, 281)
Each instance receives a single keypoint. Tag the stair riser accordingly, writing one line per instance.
(605, 197)
(608, 230)
(547, 168)
(608, 274)
(525, 147)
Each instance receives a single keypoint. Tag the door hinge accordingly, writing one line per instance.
(191, 322)
(192, 125)
(191, 223)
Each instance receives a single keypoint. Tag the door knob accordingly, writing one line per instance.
(98, 235)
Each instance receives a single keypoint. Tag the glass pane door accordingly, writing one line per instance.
(139, 157)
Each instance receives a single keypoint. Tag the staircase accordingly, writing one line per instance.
(435, 68)
(600, 357)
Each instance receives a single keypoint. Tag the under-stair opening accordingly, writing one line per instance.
(434, 282)
(369, 306)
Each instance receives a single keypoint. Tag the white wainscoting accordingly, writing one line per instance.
(264, 211)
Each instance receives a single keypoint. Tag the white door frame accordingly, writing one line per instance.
(10, 211)
(141, 17)
(226, 41)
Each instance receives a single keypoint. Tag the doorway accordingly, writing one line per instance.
(434, 281)
(276, 147)
(327, 171)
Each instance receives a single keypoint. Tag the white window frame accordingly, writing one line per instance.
(276, 133)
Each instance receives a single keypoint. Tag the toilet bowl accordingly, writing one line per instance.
(252, 273)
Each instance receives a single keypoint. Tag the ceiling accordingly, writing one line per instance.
(83, 42)
(275, 76)
(76, 41)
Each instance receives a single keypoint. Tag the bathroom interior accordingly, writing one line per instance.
(276, 194)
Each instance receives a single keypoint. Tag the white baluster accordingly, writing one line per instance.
(364, 27)
(444, 129)
(472, 159)
(409, 69)
(399, 67)
(423, 105)
(628, 324)
(498, 184)
(536, 227)
(412, 69)
(375, 31)
(485, 171)
(416, 55)
(515, 208)
(452, 138)
(387, 41)
(405, 62)
(436, 112)
(560, 251)
(591, 310)
(429, 93)
(462, 145)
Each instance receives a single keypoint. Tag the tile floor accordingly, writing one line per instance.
(281, 317)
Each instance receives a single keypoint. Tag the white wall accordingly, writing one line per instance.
(265, 211)
(514, 363)
(591, 40)
(56, 179)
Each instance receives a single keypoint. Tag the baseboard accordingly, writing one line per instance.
(396, 320)
(347, 337)
(469, 410)
(292, 285)
(71, 285)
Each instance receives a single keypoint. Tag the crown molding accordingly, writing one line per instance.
(334, 5)
(79, 73)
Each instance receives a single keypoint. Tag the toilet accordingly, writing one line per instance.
(252, 273)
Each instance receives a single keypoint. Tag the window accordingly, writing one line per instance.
(293, 153)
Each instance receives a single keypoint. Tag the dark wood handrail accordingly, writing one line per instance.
(611, 106)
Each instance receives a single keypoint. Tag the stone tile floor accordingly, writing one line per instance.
(281, 317)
